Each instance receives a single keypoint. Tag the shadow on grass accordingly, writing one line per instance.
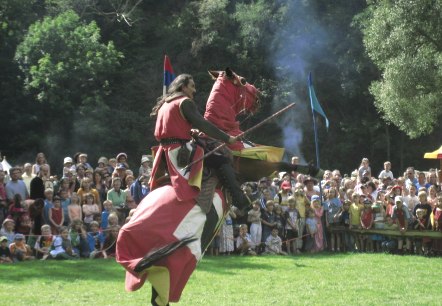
(55, 270)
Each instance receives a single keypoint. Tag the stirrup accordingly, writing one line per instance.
(160, 253)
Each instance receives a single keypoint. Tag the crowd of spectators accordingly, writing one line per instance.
(78, 214)
(360, 212)
(68, 216)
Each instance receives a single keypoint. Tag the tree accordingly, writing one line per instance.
(403, 38)
(65, 63)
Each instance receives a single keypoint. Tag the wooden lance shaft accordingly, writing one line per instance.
(240, 135)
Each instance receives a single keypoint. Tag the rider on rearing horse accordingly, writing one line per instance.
(177, 114)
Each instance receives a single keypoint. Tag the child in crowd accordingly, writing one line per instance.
(302, 204)
(319, 211)
(423, 204)
(20, 251)
(5, 253)
(49, 195)
(273, 244)
(437, 225)
(96, 241)
(280, 221)
(291, 226)
(412, 199)
(268, 220)
(312, 229)
(366, 224)
(90, 210)
(7, 230)
(389, 244)
(56, 216)
(44, 242)
(65, 201)
(74, 208)
(107, 209)
(254, 217)
(112, 220)
(110, 242)
(401, 217)
(421, 224)
(62, 247)
(378, 223)
(333, 206)
(226, 233)
(244, 243)
(78, 237)
(349, 244)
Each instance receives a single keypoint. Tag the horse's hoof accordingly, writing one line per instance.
(160, 253)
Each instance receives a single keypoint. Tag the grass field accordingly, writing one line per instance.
(323, 279)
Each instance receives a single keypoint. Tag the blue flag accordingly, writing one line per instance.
(314, 101)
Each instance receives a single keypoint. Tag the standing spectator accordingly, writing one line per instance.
(68, 165)
(27, 176)
(423, 204)
(422, 181)
(302, 204)
(146, 165)
(99, 185)
(283, 195)
(117, 197)
(291, 227)
(411, 179)
(3, 198)
(38, 183)
(74, 208)
(309, 189)
(254, 217)
(267, 220)
(90, 210)
(40, 159)
(333, 206)
(108, 208)
(319, 212)
(102, 165)
(364, 166)
(122, 159)
(56, 216)
(15, 185)
(85, 187)
(36, 214)
(401, 217)
(140, 188)
(81, 170)
(82, 159)
(49, 195)
(432, 196)
(367, 220)
(386, 172)
(312, 230)
(226, 237)
(120, 171)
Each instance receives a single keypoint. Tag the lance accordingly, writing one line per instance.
(240, 135)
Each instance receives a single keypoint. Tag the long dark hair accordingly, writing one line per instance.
(176, 86)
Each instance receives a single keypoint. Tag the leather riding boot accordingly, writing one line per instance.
(228, 179)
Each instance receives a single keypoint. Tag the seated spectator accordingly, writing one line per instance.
(110, 242)
(78, 237)
(5, 253)
(7, 230)
(44, 242)
(273, 244)
(20, 251)
(95, 241)
(244, 243)
(62, 247)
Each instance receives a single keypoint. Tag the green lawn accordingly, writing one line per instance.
(342, 279)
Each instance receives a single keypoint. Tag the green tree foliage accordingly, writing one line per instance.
(65, 63)
(403, 38)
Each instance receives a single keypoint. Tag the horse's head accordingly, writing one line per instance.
(244, 97)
